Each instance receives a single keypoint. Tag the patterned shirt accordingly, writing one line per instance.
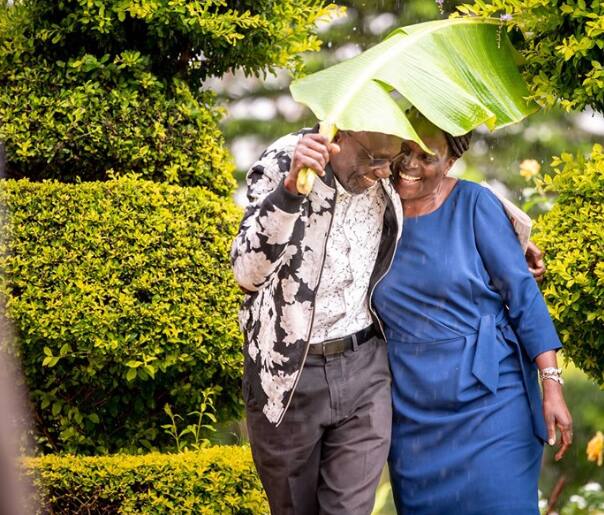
(342, 304)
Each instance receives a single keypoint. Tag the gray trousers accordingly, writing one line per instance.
(327, 455)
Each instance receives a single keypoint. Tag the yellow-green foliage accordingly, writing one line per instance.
(562, 42)
(88, 86)
(572, 236)
(123, 300)
(217, 480)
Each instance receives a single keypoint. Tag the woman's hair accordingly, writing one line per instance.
(458, 144)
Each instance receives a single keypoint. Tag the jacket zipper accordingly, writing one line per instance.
(387, 270)
(312, 317)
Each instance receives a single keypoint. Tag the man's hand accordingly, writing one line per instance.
(313, 151)
(534, 258)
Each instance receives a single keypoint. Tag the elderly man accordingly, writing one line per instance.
(317, 383)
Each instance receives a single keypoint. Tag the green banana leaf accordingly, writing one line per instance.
(459, 73)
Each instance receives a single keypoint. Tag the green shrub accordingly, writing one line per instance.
(87, 87)
(562, 42)
(58, 125)
(216, 480)
(572, 236)
(123, 300)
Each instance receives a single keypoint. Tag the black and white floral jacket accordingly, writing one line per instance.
(278, 259)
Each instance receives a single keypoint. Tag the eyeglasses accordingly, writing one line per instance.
(373, 162)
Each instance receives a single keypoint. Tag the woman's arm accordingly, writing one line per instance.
(555, 410)
(505, 262)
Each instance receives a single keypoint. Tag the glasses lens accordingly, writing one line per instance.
(378, 163)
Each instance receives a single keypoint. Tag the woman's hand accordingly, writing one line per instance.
(557, 416)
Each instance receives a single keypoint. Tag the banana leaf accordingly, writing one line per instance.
(459, 73)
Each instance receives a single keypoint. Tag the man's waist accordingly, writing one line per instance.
(346, 343)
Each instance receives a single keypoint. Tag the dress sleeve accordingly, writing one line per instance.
(505, 263)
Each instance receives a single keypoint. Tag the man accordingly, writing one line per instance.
(316, 382)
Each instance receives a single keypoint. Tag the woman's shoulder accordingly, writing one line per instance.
(470, 187)
(474, 192)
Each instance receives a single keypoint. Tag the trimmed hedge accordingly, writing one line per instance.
(123, 299)
(217, 480)
(572, 236)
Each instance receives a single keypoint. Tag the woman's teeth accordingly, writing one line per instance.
(409, 177)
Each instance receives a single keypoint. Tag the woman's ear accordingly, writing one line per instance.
(449, 163)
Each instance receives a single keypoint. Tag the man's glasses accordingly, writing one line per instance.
(375, 163)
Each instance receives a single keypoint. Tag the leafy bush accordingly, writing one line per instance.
(59, 126)
(123, 300)
(216, 480)
(572, 235)
(562, 42)
(87, 87)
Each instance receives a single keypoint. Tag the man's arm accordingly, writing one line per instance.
(266, 231)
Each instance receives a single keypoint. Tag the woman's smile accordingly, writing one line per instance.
(408, 178)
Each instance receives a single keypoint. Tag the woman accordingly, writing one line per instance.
(467, 328)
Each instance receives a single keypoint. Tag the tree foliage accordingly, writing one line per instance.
(562, 42)
(90, 86)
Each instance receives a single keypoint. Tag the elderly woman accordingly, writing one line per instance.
(467, 329)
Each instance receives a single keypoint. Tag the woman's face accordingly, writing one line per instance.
(416, 173)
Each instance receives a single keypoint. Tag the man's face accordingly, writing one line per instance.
(364, 158)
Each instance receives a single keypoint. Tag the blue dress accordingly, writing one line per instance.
(464, 320)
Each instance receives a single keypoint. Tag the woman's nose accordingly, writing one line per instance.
(412, 162)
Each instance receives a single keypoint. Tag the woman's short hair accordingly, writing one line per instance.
(458, 144)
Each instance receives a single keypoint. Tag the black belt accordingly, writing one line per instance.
(339, 345)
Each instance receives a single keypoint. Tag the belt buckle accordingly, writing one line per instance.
(324, 348)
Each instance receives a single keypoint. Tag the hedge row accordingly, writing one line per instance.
(123, 300)
(572, 236)
(216, 480)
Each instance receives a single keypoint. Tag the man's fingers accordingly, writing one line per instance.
(315, 137)
(533, 251)
(318, 157)
(538, 273)
(320, 148)
(308, 162)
